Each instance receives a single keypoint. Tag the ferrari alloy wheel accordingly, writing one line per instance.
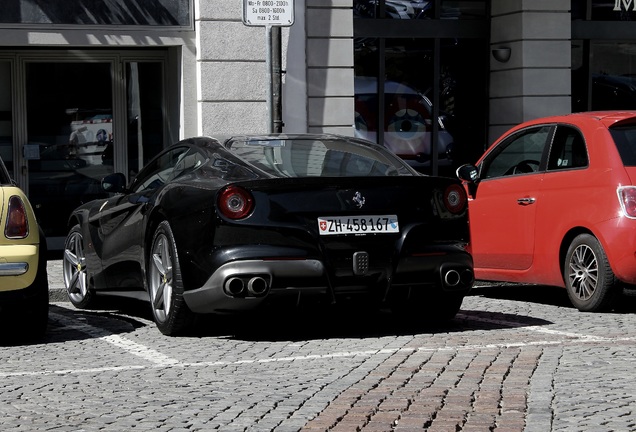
(75, 271)
(169, 310)
(589, 280)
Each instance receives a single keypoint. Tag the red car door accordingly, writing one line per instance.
(504, 207)
(502, 222)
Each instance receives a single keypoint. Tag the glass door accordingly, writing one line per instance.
(70, 117)
(69, 113)
(144, 113)
(6, 116)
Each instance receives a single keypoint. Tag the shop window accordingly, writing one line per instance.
(6, 116)
(70, 128)
(414, 92)
(605, 78)
(112, 12)
(144, 112)
(603, 55)
(433, 9)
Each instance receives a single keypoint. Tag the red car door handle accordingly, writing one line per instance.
(526, 201)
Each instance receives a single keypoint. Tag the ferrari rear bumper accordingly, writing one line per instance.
(242, 285)
(246, 284)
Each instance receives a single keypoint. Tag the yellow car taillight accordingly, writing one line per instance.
(17, 225)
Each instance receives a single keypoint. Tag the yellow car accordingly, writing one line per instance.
(24, 287)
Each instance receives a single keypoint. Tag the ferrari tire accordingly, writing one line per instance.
(172, 316)
(589, 280)
(76, 278)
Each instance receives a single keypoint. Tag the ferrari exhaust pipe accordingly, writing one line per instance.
(467, 277)
(257, 286)
(234, 286)
(452, 278)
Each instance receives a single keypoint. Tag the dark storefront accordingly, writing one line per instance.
(69, 115)
(431, 58)
(603, 54)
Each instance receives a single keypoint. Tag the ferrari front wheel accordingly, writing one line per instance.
(74, 269)
(169, 310)
(589, 279)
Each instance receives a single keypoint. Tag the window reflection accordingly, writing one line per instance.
(404, 118)
(69, 127)
(6, 123)
(613, 10)
(610, 75)
(144, 100)
(419, 9)
(603, 10)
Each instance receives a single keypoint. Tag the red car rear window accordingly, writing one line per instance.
(625, 139)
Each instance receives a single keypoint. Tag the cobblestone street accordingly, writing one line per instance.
(515, 359)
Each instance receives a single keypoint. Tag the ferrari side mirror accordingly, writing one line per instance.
(114, 183)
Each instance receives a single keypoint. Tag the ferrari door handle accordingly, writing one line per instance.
(526, 201)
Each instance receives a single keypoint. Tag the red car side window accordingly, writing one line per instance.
(519, 154)
(568, 149)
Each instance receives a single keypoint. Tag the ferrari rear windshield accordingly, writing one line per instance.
(625, 139)
(317, 158)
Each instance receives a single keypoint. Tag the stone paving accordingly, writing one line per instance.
(512, 360)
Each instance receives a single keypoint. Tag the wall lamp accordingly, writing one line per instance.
(501, 54)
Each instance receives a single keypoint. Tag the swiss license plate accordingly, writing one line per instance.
(382, 224)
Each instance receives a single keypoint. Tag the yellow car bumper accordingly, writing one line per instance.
(18, 266)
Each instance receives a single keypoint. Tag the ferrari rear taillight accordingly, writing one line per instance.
(455, 199)
(17, 225)
(234, 202)
(627, 198)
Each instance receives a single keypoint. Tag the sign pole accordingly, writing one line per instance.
(277, 80)
(271, 13)
(270, 76)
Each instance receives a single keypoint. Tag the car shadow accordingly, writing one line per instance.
(347, 323)
(539, 294)
(545, 295)
(120, 316)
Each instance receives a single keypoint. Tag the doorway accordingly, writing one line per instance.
(76, 117)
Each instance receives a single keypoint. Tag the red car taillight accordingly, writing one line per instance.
(235, 202)
(17, 225)
(455, 199)
(627, 198)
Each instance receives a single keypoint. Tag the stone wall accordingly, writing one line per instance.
(535, 80)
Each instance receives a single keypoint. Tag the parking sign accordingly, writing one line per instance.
(268, 12)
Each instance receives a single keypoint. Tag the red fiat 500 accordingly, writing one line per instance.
(553, 202)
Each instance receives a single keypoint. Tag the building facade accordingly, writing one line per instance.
(92, 87)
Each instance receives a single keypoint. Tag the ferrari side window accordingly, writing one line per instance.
(520, 154)
(187, 162)
(159, 170)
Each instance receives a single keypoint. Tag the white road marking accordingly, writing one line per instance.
(159, 360)
(127, 345)
(539, 329)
